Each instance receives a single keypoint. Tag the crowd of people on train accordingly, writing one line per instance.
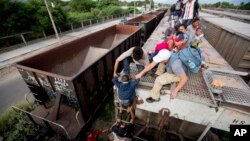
(174, 58)
(184, 34)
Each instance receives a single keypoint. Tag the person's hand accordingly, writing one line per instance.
(129, 109)
(138, 76)
(115, 74)
(173, 94)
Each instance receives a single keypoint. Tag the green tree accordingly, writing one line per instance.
(112, 10)
(245, 6)
(14, 17)
(82, 5)
(42, 21)
(105, 3)
(31, 15)
(227, 5)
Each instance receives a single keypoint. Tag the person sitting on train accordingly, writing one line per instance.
(170, 44)
(126, 90)
(196, 41)
(191, 29)
(187, 37)
(178, 39)
(176, 73)
(135, 54)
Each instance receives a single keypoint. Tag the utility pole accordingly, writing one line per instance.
(151, 2)
(52, 21)
(134, 7)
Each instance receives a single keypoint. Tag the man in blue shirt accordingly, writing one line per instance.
(176, 73)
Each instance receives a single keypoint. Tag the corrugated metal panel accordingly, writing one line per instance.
(233, 48)
(228, 44)
(234, 52)
(212, 33)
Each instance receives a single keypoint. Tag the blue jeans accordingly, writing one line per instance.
(126, 65)
(178, 13)
(187, 22)
(152, 55)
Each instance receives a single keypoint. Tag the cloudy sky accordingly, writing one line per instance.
(200, 1)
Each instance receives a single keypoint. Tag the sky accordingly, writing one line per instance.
(236, 2)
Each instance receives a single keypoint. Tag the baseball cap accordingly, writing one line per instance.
(162, 55)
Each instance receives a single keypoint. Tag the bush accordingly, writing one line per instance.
(112, 10)
(14, 127)
(96, 13)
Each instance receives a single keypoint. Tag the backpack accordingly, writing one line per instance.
(191, 58)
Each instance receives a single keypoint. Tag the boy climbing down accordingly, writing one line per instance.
(126, 90)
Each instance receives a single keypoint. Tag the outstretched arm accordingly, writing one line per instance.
(115, 67)
(146, 69)
(120, 58)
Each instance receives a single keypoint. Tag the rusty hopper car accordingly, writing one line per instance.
(147, 22)
(159, 15)
(79, 73)
(199, 106)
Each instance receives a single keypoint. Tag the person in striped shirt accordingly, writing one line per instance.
(190, 12)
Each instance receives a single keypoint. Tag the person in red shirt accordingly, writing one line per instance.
(170, 44)
(93, 135)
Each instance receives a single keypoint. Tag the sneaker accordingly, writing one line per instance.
(151, 100)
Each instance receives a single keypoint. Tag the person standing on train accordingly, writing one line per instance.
(190, 11)
(135, 54)
(178, 7)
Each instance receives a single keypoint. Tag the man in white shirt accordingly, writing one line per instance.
(135, 54)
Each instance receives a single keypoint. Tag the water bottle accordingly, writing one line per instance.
(191, 64)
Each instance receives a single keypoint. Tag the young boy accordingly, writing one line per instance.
(126, 90)
(196, 41)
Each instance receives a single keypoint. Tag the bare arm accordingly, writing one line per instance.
(120, 58)
(182, 82)
(115, 67)
(146, 69)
